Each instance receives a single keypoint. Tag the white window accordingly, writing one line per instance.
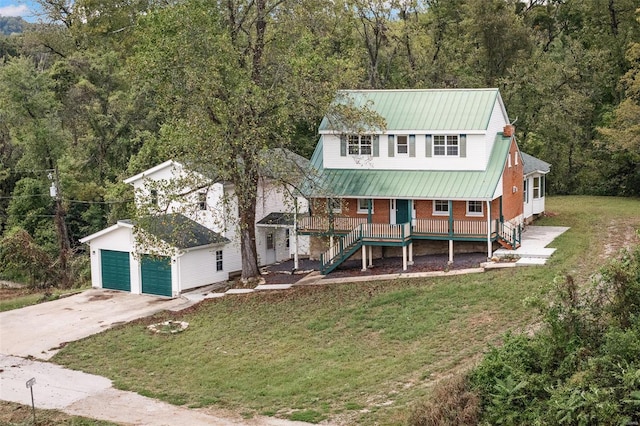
(363, 205)
(474, 208)
(536, 187)
(445, 145)
(525, 192)
(440, 207)
(359, 144)
(402, 145)
(154, 197)
(509, 160)
(334, 205)
(270, 241)
(288, 238)
(219, 260)
(202, 201)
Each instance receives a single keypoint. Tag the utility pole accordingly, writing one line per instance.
(61, 228)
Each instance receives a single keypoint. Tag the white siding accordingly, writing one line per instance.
(198, 268)
(476, 156)
(120, 239)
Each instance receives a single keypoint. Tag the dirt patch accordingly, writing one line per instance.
(620, 235)
(96, 297)
(13, 293)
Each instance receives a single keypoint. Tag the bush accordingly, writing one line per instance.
(583, 368)
(452, 403)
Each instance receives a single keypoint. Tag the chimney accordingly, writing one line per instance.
(508, 130)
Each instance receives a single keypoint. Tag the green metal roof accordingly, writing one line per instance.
(433, 109)
(413, 184)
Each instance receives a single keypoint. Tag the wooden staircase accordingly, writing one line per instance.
(509, 235)
(359, 236)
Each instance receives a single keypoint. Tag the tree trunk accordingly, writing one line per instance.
(247, 193)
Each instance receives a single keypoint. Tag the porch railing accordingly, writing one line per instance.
(324, 224)
(364, 232)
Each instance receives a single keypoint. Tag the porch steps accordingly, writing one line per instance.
(341, 257)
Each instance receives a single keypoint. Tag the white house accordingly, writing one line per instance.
(535, 171)
(186, 236)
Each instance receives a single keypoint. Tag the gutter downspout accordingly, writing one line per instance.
(489, 229)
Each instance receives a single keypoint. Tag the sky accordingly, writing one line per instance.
(24, 8)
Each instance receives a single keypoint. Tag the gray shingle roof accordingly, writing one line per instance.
(180, 231)
(532, 164)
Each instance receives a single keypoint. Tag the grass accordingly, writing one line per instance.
(16, 298)
(14, 414)
(353, 353)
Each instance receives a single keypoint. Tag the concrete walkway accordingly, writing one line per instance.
(533, 248)
(82, 394)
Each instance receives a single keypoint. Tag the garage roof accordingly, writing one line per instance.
(180, 231)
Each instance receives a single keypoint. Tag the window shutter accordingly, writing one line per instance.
(343, 145)
(412, 145)
(392, 145)
(463, 146)
(428, 147)
(376, 145)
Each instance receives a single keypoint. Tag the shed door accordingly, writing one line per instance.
(116, 269)
(156, 275)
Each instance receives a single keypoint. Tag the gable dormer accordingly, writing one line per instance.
(436, 129)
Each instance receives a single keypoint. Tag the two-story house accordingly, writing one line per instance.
(186, 235)
(444, 175)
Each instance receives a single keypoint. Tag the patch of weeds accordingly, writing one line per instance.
(309, 416)
(268, 413)
(247, 414)
(205, 402)
(353, 406)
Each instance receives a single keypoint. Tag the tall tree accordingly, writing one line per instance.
(235, 82)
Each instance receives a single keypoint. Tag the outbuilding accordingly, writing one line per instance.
(161, 255)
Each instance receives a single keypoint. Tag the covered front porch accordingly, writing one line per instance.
(347, 235)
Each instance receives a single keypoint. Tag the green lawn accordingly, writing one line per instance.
(352, 353)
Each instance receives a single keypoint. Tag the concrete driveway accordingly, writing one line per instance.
(40, 330)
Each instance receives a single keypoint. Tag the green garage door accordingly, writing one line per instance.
(115, 270)
(156, 275)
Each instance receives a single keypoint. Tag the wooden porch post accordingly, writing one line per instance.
(364, 258)
(450, 252)
(369, 215)
(370, 256)
(404, 258)
(295, 229)
(411, 253)
(489, 229)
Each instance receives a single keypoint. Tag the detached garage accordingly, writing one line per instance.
(177, 254)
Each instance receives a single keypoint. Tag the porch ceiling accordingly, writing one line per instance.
(413, 184)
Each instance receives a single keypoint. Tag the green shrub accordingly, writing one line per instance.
(583, 367)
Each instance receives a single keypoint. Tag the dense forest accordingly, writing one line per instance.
(102, 90)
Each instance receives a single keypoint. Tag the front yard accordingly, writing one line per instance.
(353, 353)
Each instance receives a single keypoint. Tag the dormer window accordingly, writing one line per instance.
(402, 145)
(202, 201)
(359, 144)
(445, 146)
(153, 197)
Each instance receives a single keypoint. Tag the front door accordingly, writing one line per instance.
(400, 212)
(271, 249)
